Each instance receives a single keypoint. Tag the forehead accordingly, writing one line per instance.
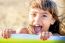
(37, 10)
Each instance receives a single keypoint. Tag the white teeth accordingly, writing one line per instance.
(36, 25)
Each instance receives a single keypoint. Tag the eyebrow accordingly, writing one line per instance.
(44, 13)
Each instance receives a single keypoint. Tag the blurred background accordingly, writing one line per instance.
(14, 13)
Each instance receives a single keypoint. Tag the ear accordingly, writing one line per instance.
(53, 21)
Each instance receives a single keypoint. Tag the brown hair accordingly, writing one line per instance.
(52, 8)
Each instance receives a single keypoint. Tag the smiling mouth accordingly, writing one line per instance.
(37, 29)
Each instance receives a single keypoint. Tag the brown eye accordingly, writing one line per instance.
(33, 15)
(44, 15)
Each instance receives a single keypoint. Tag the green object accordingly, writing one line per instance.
(11, 40)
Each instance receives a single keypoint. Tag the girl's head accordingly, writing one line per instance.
(43, 16)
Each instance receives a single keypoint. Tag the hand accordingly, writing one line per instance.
(6, 33)
(45, 35)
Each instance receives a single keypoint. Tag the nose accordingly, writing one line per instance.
(37, 21)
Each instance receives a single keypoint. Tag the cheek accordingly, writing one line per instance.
(46, 21)
(31, 20)
(46, 27)
(46, 24)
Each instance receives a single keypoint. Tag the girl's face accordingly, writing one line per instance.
(40, 20)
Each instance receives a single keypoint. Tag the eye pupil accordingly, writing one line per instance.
(34, 15)
(44, 16)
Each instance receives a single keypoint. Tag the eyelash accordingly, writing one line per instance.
(33, 15)
(44, 15)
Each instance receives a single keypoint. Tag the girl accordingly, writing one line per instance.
(43, 20)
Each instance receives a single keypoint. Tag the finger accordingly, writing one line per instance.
(3, 33)
(50, 34)
(44, 35)
(6, 33)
